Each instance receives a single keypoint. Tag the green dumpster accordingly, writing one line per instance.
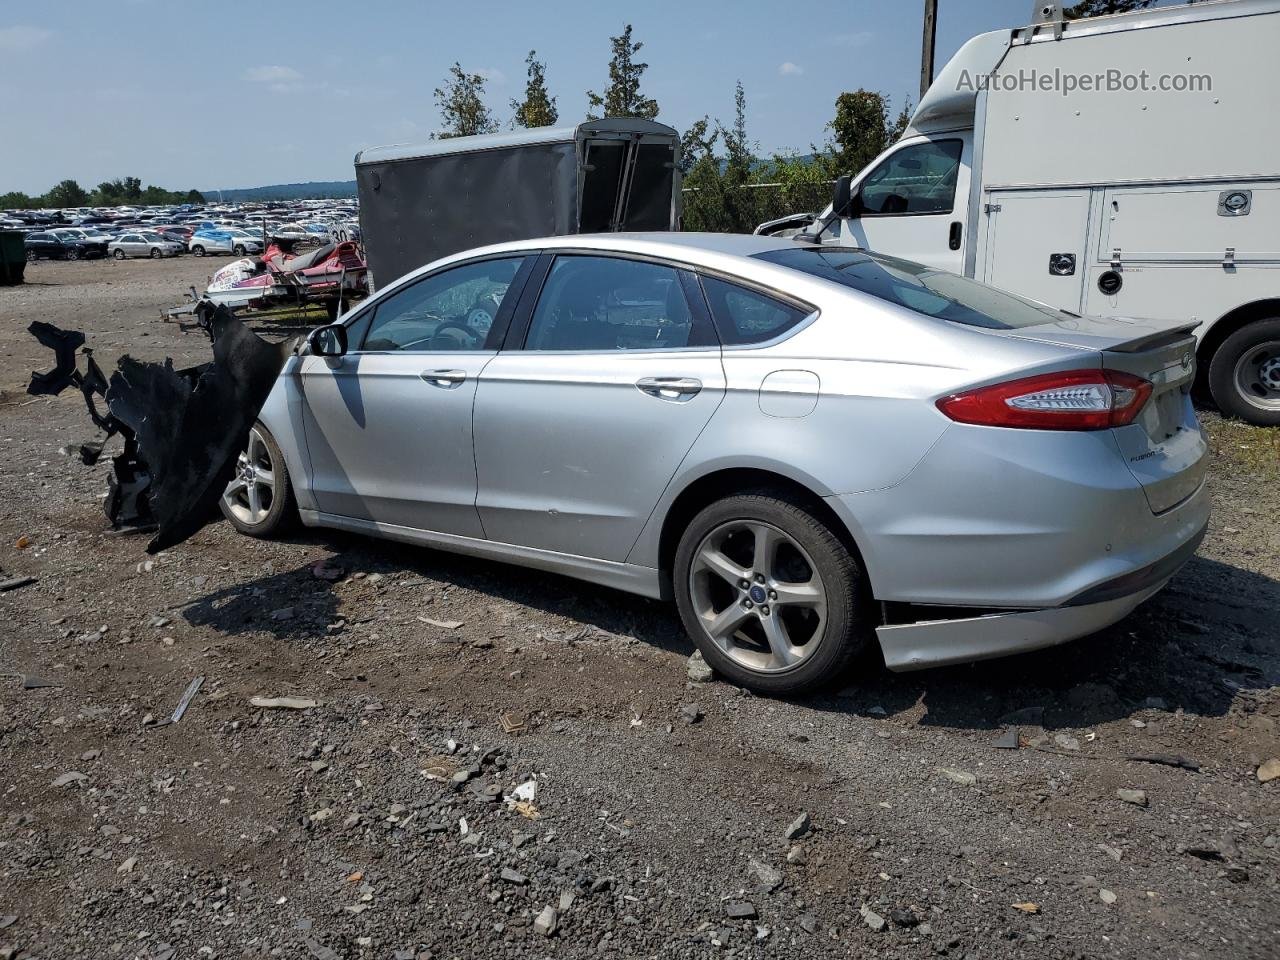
(13, 257)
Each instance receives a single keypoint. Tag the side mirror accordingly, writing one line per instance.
(330, 341)
(840, 196)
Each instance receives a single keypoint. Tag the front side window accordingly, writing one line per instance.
(745, 316)
(917, 179)
(603, 303)
(451, 310)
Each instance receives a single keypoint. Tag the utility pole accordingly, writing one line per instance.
(926, 50)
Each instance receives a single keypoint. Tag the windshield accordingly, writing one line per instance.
(935, 293)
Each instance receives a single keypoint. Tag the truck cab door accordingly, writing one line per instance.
(913, 202)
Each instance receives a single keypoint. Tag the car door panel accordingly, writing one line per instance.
(574, 447)
(388, 444)
(389, 425)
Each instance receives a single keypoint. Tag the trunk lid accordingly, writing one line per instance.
(1164, 448)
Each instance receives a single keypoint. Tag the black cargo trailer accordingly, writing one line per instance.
(421, 202)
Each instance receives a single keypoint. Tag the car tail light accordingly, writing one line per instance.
(1070, 400)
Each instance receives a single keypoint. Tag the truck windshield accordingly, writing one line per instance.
(935, 293)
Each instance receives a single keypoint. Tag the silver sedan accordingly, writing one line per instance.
(143, 244)
(810, 449)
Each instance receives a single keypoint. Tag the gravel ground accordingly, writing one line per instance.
(671, 818)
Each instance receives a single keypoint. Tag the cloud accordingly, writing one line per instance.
(22, 38)
(493, 75)
(790, 69)
(273, 74)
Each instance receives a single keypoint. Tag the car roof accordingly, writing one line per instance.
(727, 250)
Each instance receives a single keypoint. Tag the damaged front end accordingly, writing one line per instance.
(182, 429)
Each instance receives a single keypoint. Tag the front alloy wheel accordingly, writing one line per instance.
(258, 500)
(771, 595)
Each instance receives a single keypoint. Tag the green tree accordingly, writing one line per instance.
(697, 143)
(622, 98)
(1100, 8)
(736, 145)
(15, 200)
(68, 193)
(193, 196)
(862, 128)
(462, 107)
(538, 109)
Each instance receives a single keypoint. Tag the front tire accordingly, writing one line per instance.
(773, 599)
(259, 500)
(32, 256)
(73, 254)
(198, 250)
(239, 250)
(1244, 374)
(155, 253)
(119, 254)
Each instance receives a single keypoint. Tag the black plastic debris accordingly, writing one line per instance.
(182, 429)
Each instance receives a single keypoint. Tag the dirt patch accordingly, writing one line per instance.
(248, 832)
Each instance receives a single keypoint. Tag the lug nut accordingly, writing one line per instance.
(773, 594)
(764, 611)
(748, 604)
(744, 584)
(759, 578)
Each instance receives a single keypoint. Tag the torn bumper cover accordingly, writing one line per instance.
(182, 429)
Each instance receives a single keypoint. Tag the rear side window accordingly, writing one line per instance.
(934, 293)
(608, 304)
(744, 316)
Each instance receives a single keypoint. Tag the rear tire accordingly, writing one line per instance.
(119, 254)
(1244, 373)
(259, 500)
(805, 612)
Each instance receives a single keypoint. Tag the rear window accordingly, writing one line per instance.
(935, 293)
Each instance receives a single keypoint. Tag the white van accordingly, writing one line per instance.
(1126, 165)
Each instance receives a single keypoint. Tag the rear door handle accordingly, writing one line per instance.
(444, 379)
(675, 389)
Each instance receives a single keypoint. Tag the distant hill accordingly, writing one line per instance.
(315, 190)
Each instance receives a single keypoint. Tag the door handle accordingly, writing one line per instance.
(953, 238)
(443, 378)
(676, 389)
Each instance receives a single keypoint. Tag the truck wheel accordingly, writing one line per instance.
(1244, 374)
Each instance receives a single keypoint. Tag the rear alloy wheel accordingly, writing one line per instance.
(259, 499)
(198, 250)
(119, 254)
(771, 596)
(1244, 374)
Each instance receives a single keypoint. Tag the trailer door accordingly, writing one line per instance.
(1036, 244)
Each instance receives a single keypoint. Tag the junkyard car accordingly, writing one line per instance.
(808, 448)
(224, 240)
(50, 246)
(136, 244)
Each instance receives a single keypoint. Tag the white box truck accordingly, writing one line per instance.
(1125, 165)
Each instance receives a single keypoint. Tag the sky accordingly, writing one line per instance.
(195, 93)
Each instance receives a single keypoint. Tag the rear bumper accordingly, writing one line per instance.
(916, 646)
(936, 643)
